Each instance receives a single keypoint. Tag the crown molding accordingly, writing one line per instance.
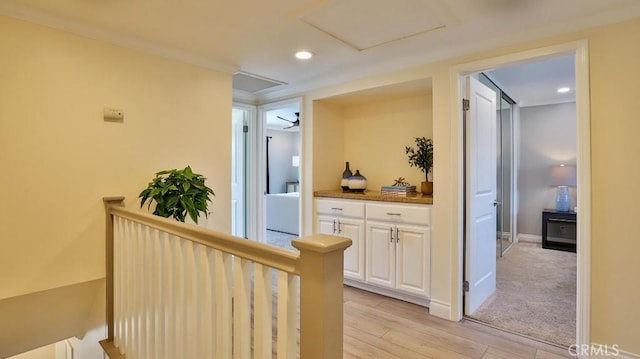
(28, 14)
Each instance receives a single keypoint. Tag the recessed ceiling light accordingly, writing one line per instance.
(563, 89)
(304, 55)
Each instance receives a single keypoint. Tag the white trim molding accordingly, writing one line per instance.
(456, 73)
(29, 14)
(440, 309)
(529, 238)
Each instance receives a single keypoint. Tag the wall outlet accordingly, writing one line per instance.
(113, 114)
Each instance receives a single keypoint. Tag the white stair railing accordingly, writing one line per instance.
(181, 291)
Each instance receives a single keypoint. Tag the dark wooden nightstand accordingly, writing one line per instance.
(559, 230)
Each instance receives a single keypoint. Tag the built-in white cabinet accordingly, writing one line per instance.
(398, 247)
(345, 219)
(397, 256)
(391, 251)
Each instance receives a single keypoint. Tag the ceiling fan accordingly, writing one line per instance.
(295, 123)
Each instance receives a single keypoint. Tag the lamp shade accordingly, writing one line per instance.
(563, 175)
(295, 161)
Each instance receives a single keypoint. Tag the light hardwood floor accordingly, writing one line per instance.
(380, 327)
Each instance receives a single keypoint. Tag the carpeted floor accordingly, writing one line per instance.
(535, 295)
(280, 239)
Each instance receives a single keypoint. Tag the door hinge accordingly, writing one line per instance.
(245, 128)
(465, 286)
(465, 104)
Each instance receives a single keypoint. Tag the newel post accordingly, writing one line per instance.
(108, 203)
(321, 295)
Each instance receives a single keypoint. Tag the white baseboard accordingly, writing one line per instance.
(530, 238)
(612, 351)
(423, 301)
(440, 309)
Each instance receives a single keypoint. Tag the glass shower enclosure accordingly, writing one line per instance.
(504, 185)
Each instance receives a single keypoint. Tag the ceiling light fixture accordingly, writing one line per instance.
(304, 55)
(563, 89)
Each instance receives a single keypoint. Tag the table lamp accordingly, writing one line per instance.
(563, 176)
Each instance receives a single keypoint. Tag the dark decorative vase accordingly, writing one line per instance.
(357, 182)
(345, 177)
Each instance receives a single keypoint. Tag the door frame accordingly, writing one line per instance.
(258, 182)
(250, 190)
(457, 73)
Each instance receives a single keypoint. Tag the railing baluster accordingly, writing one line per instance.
(179, 293)
(212, 318)
(128, 287)
(287, 306)
(189, 331)
(172, 273)
(262, 311)
(150, 281)
(242, 309)
(143, 284)
(118, 280)
(224, 294)
(203, 296)
(158, 301)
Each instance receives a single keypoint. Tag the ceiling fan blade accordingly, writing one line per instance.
(282, 118)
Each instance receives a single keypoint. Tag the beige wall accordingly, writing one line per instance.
(547, 138)
(377, 133)
(614, 78)
(59, 158)
(328, 146)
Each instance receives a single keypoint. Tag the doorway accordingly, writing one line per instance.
(465, 246)
(280, 172)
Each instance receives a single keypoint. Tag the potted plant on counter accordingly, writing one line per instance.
(178, 193)
(422, 157)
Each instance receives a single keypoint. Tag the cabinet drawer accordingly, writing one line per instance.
(399, 213)
(340, 208)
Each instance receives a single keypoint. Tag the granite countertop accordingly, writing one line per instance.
(374, 196)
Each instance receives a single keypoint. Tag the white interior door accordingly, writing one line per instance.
(238, 166)
(480, 269)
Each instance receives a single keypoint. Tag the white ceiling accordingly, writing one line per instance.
(351, 38)
(537, 83)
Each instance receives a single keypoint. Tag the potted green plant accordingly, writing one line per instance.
(422, 157)
(178, 193)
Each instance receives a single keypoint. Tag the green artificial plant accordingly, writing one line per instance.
(422, 157)
(178, 193)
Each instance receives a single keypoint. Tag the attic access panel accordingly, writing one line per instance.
(364, 24)
(252, 83)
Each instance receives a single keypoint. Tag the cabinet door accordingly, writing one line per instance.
(413, 259)
(380, 250)
(326, 225)
(354, 255)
